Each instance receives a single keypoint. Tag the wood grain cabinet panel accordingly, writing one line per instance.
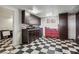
(77, 27)
(63, 26)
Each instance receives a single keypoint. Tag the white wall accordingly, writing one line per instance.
(6, 19)
(50, 25)
(6, 23)
(72, 26)
(17, 32)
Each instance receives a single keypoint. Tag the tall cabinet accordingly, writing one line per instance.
(77, 27)
(63, 26)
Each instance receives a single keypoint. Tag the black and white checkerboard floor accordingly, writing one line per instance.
(6, 45)
(47, 46)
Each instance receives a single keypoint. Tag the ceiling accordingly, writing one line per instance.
(52, 10)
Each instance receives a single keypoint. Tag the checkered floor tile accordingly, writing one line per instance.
(6, 45)
(46, 46)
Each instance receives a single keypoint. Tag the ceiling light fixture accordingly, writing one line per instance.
(34, 10)
(27, 13)
(49, 14)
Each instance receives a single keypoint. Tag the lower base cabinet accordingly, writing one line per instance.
(29, 36)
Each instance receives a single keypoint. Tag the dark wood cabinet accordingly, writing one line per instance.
(77, 27)
(24, 36)
(23, 16)
(30, 35)
(63, 26)
(31, 19)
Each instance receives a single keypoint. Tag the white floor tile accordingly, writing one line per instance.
(24, 49)
(44, 50)
(51, 48)
(35, 52)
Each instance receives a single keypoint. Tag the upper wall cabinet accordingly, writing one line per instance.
(30, 19)
(23, 16)
(63, 26)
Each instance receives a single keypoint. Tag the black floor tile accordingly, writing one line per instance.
(29, 46)
(21, 47)
(42, 53)
(51, 52)
(58, 49)
(36, 45)
(20, 52)
(38, 48)
(52, 45)
(72, 52)
(46, 47)
(65, 48)
(29, 50)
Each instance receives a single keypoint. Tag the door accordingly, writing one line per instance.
(77, 27)
(63, 26)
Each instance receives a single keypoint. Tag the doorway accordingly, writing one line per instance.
(6, 29)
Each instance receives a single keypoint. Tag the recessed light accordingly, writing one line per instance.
(34, 10)
(49, 14)
(27, 13)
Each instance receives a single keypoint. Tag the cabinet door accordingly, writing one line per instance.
(63, 26)
(24, 36)
(23, 16)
